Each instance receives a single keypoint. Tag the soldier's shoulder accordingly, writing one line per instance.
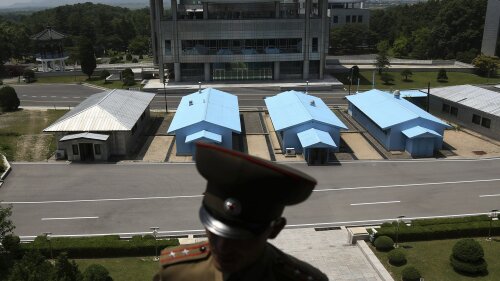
(287, 267)
(184, 253)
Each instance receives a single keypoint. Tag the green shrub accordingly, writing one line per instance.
(397, 257)
(141, 57)
(467, 256)
(410, 273)
(134, 60)
(8, 99)
(96, 272)
(12, 244)
(384, 243)
(386, 224)
(98, 247)
(104, 74)
(115, 60)
(425, 222)
(29, 75)
(128, 57)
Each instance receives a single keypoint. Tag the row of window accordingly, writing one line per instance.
(97, 149)
(483, 121)
(453, 111)
(349, 19)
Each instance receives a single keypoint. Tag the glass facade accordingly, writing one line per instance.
(242, 71)
(243, 46)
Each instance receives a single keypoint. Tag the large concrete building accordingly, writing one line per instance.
(344, 12)
(491, 28)
(240, 39)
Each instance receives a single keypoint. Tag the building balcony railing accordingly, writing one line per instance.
(55, 55)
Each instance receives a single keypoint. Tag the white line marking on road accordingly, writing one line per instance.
(104, 199)
(374, 203)
(404, 185)
(70, 218)
(53, 96)
(33, 96)
(489, 195)
(64, 97)
(44, 96)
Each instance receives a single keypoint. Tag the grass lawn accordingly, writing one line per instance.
(83, 79)
(21, 137)
(125, 269)
(431, 258)
(418, 80)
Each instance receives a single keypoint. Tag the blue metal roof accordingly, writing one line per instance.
(316, 138)
(418, 131)
(210, 105)
(292, 108)
(204, 135)
(386, 110)
(412, 94)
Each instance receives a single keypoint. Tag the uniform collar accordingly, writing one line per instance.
(256, 271)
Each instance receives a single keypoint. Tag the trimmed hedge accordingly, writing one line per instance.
(441, 231)
(426, 222)
(397, 257)
(410, 273)
(384, 243)
(477, 268)
(99, 247)
(467, 256)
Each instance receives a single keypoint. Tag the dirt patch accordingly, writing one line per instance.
(33, 147)
(177, 158)
(466, 145)
(360, 147)
(257, 146)
(158, 149)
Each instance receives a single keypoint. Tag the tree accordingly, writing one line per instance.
(87, 57)
(139, 45)
(442, 76)
(406, 73)
(29, 75)
(104, 74)
(401, 47)
(96, 272)
(8, 102)
(355, 73)
(387, 78)
(382, 61)
(33, 266)
(66, 270)
(128, 77)
(12, 244)
(486, 65)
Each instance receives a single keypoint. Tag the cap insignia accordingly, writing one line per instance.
(232, 206)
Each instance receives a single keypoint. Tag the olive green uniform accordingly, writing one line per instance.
(194, 262)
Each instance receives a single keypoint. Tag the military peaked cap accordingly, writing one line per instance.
(244, 193)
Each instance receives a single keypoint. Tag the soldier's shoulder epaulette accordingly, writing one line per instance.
(184, 253)
(287, 267)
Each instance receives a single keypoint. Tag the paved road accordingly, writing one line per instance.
(73, 199)
(69, 95)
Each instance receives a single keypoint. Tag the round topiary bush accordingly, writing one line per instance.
(384, 243)
(128, 57)
(467, 257)
(397, 257)
(8, 99)
(134, 60)
(96, 272)
(410, 273)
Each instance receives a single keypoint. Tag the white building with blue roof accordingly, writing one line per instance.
(208, 115)
(397, 123)
(306, 124)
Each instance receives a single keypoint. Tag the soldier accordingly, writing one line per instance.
(242, 207)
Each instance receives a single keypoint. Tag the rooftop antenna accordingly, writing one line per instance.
(307, 86)
(199, 87)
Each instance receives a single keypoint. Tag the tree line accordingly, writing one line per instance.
(435, 29)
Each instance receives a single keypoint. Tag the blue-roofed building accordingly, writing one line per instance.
(397, 123)
(208, 115)
(306, 124)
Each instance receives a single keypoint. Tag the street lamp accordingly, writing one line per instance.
(199, 87)
(47, 236)
(307, 86)
(155, 234)
(165, 91)
(400, 219)
(493, 216)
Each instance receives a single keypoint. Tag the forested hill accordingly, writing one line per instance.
(108, 27)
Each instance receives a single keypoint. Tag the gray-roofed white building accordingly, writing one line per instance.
(470, 106)
(104, 124)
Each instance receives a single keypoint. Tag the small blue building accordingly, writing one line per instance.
(208, 115)
(397, 123)
(306, 124)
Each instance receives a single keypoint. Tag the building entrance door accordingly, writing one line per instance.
(86, 152)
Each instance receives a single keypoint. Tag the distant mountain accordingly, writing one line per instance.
(44, 4)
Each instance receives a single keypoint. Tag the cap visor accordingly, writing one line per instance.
(221, 229)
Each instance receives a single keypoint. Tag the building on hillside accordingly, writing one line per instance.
(397, 123)
(491, 28)
(305, 124)
(472, 107)
(240, 40)
(342, 12)
(105, 124)
(50, 51)
(208, 115)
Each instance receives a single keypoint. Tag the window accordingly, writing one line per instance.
(168, 48)
(360, 19)
(446, 108)
(486, 122)
(454, 111)
(97, 149)
(335, 19)
(75, 149)
(315, 45)
(353, 18)
(476, 119)
(347, 19)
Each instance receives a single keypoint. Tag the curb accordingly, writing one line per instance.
(374, 261)
(7, 171)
